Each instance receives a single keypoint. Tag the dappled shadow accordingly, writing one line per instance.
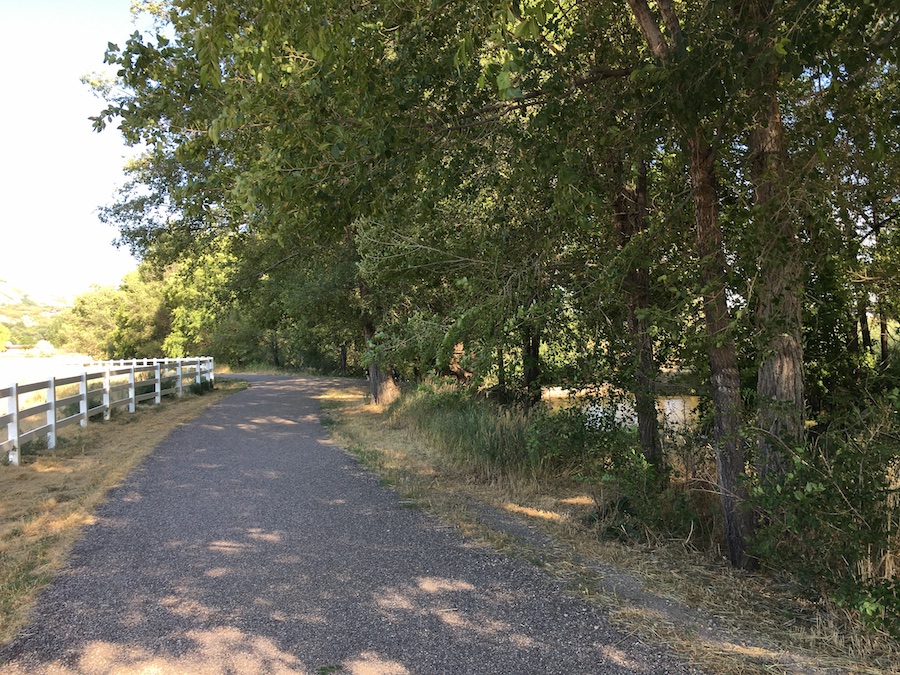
(248, 543)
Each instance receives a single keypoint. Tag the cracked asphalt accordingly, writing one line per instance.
(248, 542)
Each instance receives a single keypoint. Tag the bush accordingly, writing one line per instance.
(602, 450)
(833, 517)
(199, 388)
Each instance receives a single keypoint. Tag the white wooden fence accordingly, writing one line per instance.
(93, 389)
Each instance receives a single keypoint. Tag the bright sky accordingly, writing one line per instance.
(54, 169)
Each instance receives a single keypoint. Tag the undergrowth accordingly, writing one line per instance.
(829, 526)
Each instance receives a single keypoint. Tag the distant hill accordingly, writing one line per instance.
(10, 295)
(25, 320)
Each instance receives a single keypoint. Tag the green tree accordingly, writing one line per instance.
(468, 186)
(88, 326)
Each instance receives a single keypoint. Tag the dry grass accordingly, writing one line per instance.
(50, 498)
(722, 619)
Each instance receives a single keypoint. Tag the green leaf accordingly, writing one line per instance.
(526, 28)
(503, 80)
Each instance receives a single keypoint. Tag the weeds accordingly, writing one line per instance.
(595, 494)
(487, 439)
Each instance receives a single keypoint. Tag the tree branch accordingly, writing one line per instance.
(670, 18)
(535, 97)
(650, 28)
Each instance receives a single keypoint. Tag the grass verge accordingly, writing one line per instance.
(50, 498)
(719, 618)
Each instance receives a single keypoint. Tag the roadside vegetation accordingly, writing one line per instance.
(655, 560)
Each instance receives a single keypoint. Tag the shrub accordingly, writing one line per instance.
(198, 388)
(833, 517)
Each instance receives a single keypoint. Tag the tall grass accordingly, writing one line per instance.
(485, 438)
(831, 522)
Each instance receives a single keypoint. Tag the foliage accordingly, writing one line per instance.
(833, 518)
(521, 194)
(87, 327)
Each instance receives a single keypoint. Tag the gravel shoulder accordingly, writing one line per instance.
(248, 542)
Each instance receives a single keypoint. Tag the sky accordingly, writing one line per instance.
(55, 171)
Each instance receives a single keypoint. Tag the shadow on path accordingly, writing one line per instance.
(249, 543)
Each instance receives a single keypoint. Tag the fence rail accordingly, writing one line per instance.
(91, 389)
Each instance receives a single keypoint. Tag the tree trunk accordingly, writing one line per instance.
(853, 341)
(631, 219)
(343, 359)
(724, 374)
(862, 313)
(273, 347)
(462, 375)
(382, 387)
(645, 391)
(501, 370)
(779, 301)
(531, 364)
(881, 303)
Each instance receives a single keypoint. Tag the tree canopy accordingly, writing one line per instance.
(534, 192)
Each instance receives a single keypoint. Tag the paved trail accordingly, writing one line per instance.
(248, 543)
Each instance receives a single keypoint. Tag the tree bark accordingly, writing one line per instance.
(382, 387)
(724, 374)
(631, 219)
(862, 313)
(273, 347)
(779, 302)
(462, 375)
(881, 303)
(531, 364)
(853, 338)
(645, 390)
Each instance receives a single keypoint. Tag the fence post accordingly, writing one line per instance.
(158, 375)
(12, 427)
(132, 403)
(198, 377)
(180, 373)
(212, 372)
(107, 395)
(51, 413)
(83, 402)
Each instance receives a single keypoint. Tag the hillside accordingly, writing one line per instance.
(26, 320)
(10, 294)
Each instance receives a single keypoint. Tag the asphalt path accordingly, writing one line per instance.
(248, 542)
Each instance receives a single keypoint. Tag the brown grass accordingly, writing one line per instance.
(50, 498)
(665, 592)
